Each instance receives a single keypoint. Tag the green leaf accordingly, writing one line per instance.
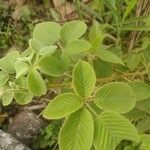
(77, 131)
(96, 36)
(129, 8)
(94, 31)
(40, 48)
(7, 63)
(102, 69)
(36, 84)
(145, 138)
(133, 61)
(84, 78)
(22, 68)
(35, 45)
(63, 105)
(141, 90)
(4, 77)
(109, 57)
(23, 96)
(77, 46)
(50, 65)
(110, 129)
(47, 32)
(115, 96)
(143, 125)
(47, 50)
(7, 98)
(72, 30)
(135, 115)
(143, 105)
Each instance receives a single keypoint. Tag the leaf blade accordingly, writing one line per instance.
(110, 129)
(36, 84)
(72, 30)
(115, 96)
(63, 105)
(84, 78)
(77, 131)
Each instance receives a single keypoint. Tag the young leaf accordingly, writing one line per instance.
(7, 98)
(50, 65)
(63, 105)
(4, 77)
(35, 45)
(41, 48)
(109, 57)
(77, 131)
(110, 129)
(36, 84)
(21, 68)
(129, 8)
(77, 46)
(115, 96)
(47, 32)
(47, 50)
(72, 30)
(7, 63)
(141, 90)
(23, 96)
(94, 31)
(96, 36)
(84, 78)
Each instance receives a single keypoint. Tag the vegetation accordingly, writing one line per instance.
(99, 69)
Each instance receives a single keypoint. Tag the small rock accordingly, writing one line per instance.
(25, 126)
(7, 142)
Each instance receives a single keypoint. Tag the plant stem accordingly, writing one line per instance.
(91, 109)
(124, 76)
(59, 85)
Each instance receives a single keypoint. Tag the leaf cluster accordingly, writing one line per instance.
(98, 115)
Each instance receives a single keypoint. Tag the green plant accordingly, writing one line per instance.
(97, 105)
